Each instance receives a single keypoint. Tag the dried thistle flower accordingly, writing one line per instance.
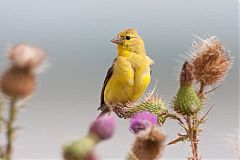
(152, 104)
(141, 121)
(187, 101)
(25, 56)
(148, 145)
(211, 61)
(18, 82)
(103, 127)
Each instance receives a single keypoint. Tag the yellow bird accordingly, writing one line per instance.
(130, 73)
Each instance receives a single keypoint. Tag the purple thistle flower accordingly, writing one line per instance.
(103, 127)
(141, 121)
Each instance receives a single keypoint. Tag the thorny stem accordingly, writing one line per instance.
(191, 137)
(193, 126)
(194, 136)
(10, 128)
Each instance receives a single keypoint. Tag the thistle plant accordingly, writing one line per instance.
(101, 129)
(18, 82)
(141, 121)
(209, 64)
(149, 140)
(148, 145)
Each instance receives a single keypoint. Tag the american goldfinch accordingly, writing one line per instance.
(130, 73)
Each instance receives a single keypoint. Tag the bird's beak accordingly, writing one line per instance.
(118, 40)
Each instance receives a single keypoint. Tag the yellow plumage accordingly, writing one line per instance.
(129, 75)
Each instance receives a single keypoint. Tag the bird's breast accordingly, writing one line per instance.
(120, 86)
(141, 80)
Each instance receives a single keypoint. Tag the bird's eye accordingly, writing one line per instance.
(128, 37)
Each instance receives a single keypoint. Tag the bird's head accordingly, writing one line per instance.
(129, 40)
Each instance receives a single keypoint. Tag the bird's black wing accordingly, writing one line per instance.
(150, 70)
(103, 105)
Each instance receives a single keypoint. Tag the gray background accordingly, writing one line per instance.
(76, 36)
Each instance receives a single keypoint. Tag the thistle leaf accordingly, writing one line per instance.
(181, 138)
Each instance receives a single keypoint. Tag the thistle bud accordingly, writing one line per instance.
(103, 127)
(187, 101)
(80, 150)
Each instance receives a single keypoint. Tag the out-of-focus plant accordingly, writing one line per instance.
(17, 83)
(149, 140)
(101, 129)
(141, 121)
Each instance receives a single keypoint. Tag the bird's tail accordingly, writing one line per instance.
(105, 110)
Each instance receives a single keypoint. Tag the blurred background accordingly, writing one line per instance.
(76, 36)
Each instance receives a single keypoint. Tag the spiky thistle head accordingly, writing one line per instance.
(148, 145)
(187, 101)
(153, 104)
(211, 60)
